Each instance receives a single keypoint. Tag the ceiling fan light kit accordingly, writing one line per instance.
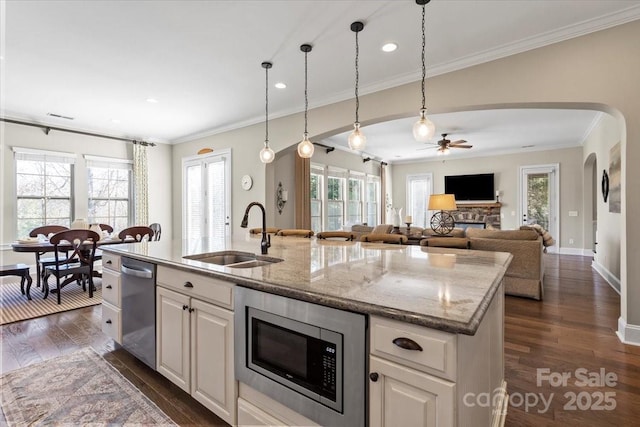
(423, 129)
(266, 154)
(357, 140)
(305, 147)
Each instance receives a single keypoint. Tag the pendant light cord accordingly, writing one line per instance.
(424, 70)
(306, 99)
(357, 78)
(266, 106)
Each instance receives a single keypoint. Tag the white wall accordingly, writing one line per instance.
(506, 175)
(14, 135)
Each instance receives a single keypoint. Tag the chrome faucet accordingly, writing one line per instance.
(265, 243)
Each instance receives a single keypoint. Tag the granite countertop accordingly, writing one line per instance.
(441, 288)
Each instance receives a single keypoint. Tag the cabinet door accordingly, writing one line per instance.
(172, 336)
(212, 377)
(405, 397)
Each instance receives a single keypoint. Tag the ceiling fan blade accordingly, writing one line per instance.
(427, 148)
(460, 141)
(461, 146)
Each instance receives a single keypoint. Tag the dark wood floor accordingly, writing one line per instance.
(574, 327)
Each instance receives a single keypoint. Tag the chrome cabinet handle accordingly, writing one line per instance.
(188, 285)
(373, 376)
(407, 344)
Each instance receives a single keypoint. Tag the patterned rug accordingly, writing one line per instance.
(76, 389)
(14, 306)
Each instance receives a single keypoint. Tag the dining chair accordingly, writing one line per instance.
(43, 262)
(137, 232)
(157, 231)
(78, 265)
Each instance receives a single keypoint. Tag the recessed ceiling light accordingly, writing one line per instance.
(280, 85)
(389, 47)
(152, 100)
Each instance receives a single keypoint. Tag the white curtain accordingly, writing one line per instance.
(141, 184)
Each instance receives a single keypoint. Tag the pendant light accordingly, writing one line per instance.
(266, 154)
(357, 140)
(423, 129)
(305, 147)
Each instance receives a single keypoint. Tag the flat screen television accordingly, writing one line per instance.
(470, 187)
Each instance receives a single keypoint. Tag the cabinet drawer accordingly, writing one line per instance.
(438, 354)
(110, 261)
(112, 321)
(111, 287)
(213, 290)
(250, 415)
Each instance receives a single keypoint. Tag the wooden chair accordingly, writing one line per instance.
(43, 262)
(78, 265)
(340, 235)
(20, 270)
(107, 228)
(298, 232)
(137, 232)
(157, 231)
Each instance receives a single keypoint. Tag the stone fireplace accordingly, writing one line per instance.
(478, 213)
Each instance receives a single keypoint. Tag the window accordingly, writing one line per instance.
(206, 204)
(44, 189)
(110, 189)
(373, 202)
(335, 200)
(356, 193)
(419, 188)
(317, 180)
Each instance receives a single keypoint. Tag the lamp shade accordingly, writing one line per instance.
(442, 202)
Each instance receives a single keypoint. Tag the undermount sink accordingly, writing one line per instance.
(234, 259)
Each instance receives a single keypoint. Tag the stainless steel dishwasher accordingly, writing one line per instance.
(139, 309)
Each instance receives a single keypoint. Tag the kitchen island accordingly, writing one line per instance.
(449, 300)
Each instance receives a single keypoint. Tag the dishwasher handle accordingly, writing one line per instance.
(145, 274)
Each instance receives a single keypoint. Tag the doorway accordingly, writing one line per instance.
(539, 197)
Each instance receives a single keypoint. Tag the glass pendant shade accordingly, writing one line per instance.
(305, 147)
(267, 155)
(423, 129)
(357, 140)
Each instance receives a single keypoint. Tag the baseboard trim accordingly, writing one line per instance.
(612, 280)
(628, 334)
(572, 251)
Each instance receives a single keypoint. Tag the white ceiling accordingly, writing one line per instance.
(99, 61)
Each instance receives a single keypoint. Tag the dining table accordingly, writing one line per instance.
(42, 246)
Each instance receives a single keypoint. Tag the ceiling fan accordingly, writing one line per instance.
(445, 144)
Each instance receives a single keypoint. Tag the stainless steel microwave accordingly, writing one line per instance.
(309, 357)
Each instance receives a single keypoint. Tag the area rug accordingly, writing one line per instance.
(73, 390)
(14, 306)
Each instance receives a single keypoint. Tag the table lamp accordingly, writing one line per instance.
(442, 222)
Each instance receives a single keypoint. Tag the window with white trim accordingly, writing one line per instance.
(419, 188)
(373, 199)
(110, 191)
(336, 182)
(44, 189)
(317, 186)
(355, 198)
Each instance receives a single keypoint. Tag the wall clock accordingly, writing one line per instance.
(246, 182)
(605, 185)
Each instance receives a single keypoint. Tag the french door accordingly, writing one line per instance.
(539, 197)
(206, 196)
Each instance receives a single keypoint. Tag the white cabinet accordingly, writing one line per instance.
(195, 343)
(111, 298)
(419, 377)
